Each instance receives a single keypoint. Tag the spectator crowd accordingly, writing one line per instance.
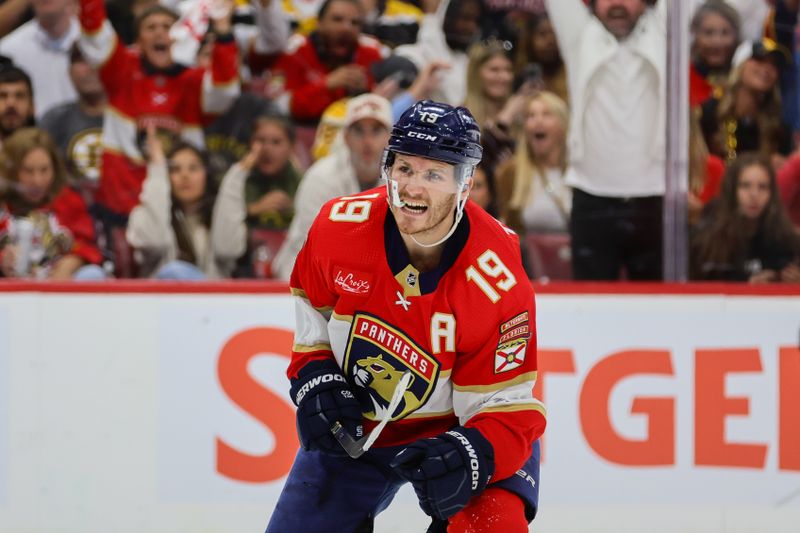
(198, 139)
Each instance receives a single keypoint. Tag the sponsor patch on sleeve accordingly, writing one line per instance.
(348, 281)
(513, 343)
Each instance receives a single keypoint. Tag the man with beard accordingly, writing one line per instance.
(42, 45)
(352, 166)
(331, 63)
(615, 52)
(16, 100)
(415, 332)
(77, 127)
(444, 38)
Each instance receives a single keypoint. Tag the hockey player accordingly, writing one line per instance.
(412, 282)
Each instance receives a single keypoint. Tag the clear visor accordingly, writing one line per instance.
(442, 178)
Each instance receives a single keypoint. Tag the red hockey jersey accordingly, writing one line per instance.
(177, 101)
(304, 75)
(61, 227)
(466, 331)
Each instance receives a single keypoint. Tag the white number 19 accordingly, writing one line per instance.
(492, 266)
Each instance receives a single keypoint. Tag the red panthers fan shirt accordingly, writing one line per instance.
(466, 332)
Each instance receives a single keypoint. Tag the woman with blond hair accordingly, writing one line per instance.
(45, 229)
(492, 101)
(532, 194)
(747, 116)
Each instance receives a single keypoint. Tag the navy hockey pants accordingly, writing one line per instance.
(342, 495)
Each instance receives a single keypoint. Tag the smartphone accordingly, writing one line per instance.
(531, 74)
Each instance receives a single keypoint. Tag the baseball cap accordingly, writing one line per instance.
(399, 68)
(764, 49)
(368, 105)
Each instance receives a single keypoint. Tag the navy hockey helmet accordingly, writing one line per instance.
(438, 131)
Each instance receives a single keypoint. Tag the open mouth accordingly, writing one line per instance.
(161, 47)
(618, 13)
(414, 208)
(540, 135)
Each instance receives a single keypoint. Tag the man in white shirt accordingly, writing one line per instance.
(41, 46)
(615, 54)
(352, 166)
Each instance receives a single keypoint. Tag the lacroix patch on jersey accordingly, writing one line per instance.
(513, 343)
(351, 281)
(376, 356)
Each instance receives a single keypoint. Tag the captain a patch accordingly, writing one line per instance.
(513, 343)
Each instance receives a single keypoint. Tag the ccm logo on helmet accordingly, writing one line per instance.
(422, 136)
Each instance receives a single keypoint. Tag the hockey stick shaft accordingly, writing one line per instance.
(356, 448)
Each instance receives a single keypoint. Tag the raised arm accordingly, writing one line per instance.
(569, 17)
(228, 222)
(102, 48)
(221, 84)
(149, 224)
(273, 27)
(11, 12)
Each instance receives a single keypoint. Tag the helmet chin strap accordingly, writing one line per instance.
(394, 195)
(459, 214)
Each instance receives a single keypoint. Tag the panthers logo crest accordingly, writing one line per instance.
(382, 378)
(377, 355)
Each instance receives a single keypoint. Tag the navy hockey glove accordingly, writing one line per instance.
(447, 470)
(322, 397)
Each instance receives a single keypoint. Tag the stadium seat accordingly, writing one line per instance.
(265, 244)
(549, 255)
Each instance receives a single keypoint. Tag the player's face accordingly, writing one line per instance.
(187, 176)
(753, 191)
(430, 193)
(154, 40)
(36, 175)
(16, 106)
